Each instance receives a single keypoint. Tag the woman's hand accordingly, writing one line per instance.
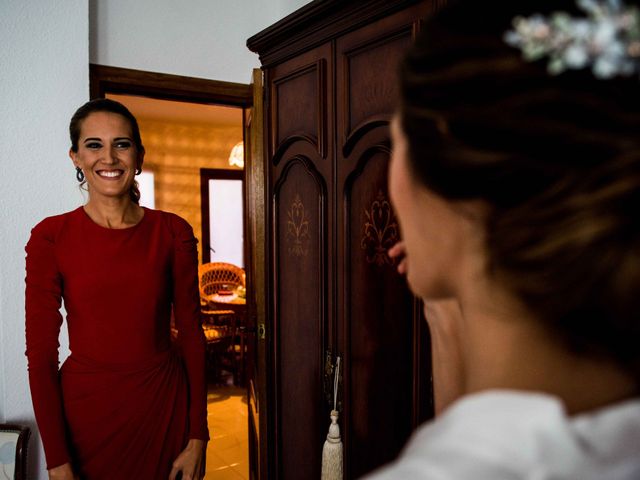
(191, 462)
(62, 472)
(398, 251)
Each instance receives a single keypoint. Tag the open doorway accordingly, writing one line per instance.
(222, 207)
(188, 134)
(182, 140)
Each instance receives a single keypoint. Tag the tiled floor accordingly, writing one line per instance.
(228, 450)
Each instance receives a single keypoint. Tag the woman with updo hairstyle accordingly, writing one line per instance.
(107, 106)
(128, 403)
(515, 176)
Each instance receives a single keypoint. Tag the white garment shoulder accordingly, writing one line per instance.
(504, 434)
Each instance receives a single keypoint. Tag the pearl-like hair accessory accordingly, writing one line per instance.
(607, 39)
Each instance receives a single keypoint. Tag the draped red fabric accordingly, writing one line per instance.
(125, 402)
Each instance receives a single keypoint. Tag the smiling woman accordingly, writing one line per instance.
(126, 403)
(109, 140)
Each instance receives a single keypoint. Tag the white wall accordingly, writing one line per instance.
(198, 38)
(44, 57)
(43, 78)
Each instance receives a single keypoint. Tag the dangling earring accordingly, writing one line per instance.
(138, 170)
(79, 174)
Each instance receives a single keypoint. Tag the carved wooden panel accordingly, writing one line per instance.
(300, 316)
(377, 318)
(299, 88)
(372, 93)
(330, 93)
(379, 327)
(299, 95)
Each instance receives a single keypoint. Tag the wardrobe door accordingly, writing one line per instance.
(300, 172)
(383, 378)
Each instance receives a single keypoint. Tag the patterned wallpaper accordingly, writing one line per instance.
(175, 152)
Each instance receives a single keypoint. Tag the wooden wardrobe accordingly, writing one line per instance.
(330, 89)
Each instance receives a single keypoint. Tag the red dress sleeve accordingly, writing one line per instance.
(43, 321)
(186, 306)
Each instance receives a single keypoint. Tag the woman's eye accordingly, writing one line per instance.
(123, 144)
(93, 145)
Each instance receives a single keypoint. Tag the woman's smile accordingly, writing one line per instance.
(107, 155)
(110, 174)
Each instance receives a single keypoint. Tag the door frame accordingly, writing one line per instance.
(259, 378)
(207, 174)
(105, 80)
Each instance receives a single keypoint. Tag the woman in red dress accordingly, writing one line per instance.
(127, 403)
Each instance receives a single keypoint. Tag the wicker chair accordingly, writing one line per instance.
(221, 356)
(216, 276)
(221, 325)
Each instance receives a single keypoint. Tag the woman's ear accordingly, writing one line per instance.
(72, 156)
(140, 159)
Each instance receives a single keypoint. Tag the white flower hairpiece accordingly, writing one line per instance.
(608, 39)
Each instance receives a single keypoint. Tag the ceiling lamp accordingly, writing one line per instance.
(236, 157)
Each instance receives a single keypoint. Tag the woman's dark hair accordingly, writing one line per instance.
(110, 106)
(556, 159)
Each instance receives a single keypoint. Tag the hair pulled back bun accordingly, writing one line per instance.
(556, 158)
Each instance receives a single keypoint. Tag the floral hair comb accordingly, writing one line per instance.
(607, 39)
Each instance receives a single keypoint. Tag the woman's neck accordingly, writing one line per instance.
(505, 348)
(116, 213)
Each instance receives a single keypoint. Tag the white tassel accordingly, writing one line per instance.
(332, 450)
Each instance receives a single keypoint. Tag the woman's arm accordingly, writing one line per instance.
(186, 304)
(43, 321)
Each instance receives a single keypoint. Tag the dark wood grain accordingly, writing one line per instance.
(301, 89)
(331, 90)
(320, 20)
(376, 322)
(387, 390)
(104, 79)
(300, 316)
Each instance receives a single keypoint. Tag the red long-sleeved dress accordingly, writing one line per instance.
(126, 400)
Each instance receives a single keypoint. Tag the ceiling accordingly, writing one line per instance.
(152, 108)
